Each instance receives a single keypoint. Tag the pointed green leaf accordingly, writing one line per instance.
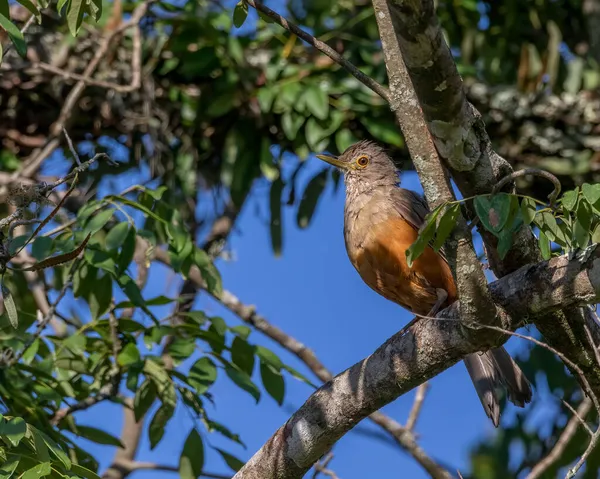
(14, 34)
(544, 243)
(310, 198)
(233, 462)
(10, 306)
(191, 462)
(159, 421)
(144, 397)
(242, 355)
(241, 379)
(445, 225)
(240, 13)
(99, 220)
(41, 470)
(129, 355)
(569, 199)
(98, 436)
(202, 375)
(116, 236)
(273, 382)
(591, 192)
(276, 227)
(317, 101)
(13, 430)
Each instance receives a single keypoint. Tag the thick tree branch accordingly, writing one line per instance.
(406, 360)
(469, 276)
(403, 437)
(461, 139)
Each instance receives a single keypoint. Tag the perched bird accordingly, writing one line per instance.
(381, 221)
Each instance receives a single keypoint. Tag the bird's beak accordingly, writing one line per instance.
(332, 160)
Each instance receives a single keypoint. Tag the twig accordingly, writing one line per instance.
(321, 467)
(578, 417)
(136, 70)
(562, 441)
(416, 407)
(324, 48)
(32, 164)
(535, 172)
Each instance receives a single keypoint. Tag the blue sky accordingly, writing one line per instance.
(314, 294)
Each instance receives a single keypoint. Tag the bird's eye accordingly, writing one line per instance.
(362, 161)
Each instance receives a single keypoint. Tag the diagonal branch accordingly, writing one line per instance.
(406, 360)
(412, 33)
(403, 436)
(322, 47)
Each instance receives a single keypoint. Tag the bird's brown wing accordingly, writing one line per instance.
(413, 208)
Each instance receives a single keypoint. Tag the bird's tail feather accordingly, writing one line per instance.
(493, 370)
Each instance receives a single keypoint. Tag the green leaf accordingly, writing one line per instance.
(291, 122)
(98, 436)
(276, 227)
(41, 470)
(596, 234)
(241, 331)
(144, 397)
(544, 243)
(84, 472)
(425, 236)
(493, 211)
(569, 199)
(9, 305)
(233, 462)
(242, 355)
(241, 379)
(13, 430)
(41, 247)
(505, 241)
(14, 34)
(129, 355)
(383, 130)
(267, 167)
(54, 448)
(76, 343)
(314, 133)
(209, 273)
(528, 210)
(99, 220)
(100, 296)
(310, 198)
(202, 375)
(273, 382)
(591, 192)
(546, 222)
(445, 225)
(127, 251)
(8, 468)
(317, 101)
(159, 421)
(240, 13)
(116, 236)
(191, 462)
(343, 139)
(75, 10)
(584, 215)
(269, 357)
(182, 348)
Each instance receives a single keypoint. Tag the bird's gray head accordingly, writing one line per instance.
(365, 166)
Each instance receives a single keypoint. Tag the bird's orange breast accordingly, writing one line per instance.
(381, 262)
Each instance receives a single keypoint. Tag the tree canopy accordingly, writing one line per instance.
(201, 102)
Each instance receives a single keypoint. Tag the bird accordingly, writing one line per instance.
(381, 221)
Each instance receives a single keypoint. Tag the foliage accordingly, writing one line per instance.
(221, 111)
(42, 373)
(572, 224)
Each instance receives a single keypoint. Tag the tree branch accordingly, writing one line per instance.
(324, 48)
(406, 360)
(461, 139)
(403, 437)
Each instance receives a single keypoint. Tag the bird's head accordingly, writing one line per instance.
(365, 165)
